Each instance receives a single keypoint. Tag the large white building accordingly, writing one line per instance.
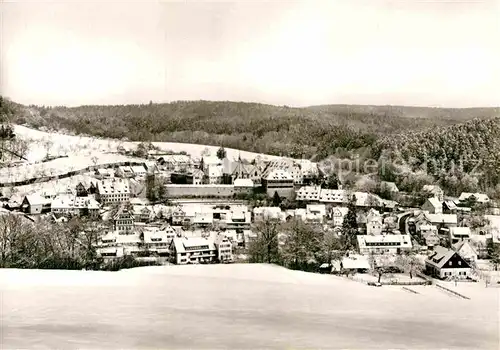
(382, 244)
(193, 250)
(112, 191)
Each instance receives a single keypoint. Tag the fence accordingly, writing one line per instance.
(452, 291)
(410, 290)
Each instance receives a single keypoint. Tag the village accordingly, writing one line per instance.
(174, 208)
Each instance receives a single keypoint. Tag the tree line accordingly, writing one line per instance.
(46, 244)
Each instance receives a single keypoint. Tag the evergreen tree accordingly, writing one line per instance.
(276, 199)
(493, 254)
(221, 153)
(350, 226)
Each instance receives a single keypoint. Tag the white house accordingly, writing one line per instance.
(263, 213)
(158, 240)
(224, 248)
(333, 196)
(381, 244)
(433, 206)
(214, 174)
(316, 212)
(338, 214)
(445, 263)
(373, 223)
(458, 234)
(193, 250)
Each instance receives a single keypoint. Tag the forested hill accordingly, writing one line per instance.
(470, 149)
(278, 130)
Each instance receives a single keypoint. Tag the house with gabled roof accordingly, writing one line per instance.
(373, 222)
(143, 213)
(124, 172)
(449, 207)
(446, 263)
(123, 220)
(333, 196)
(466, 251)
(178, 215)
(433, 206)
(337, 215)
(35, 204)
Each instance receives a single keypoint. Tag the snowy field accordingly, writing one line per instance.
(82, 145)
(61, 166)
(235, 307)
(55, 186)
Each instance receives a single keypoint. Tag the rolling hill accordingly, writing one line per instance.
(278, 130)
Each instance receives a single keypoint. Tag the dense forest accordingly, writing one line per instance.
(461, 157)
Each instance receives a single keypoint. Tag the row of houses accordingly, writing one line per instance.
(178, 246)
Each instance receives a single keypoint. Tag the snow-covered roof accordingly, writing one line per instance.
(380, 240)
(243, 183)
(441, 256)
(460, 231)
(441, 218)
(183, 244)
(278, 174)
(436, 203)
(37, 199)
(113, 186)
(480, 197)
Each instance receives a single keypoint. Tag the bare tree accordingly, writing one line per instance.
(265, 247)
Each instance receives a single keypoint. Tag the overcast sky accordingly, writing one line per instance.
(431, 53)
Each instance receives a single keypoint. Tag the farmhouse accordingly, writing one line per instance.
(158, 240)
(446, 263)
